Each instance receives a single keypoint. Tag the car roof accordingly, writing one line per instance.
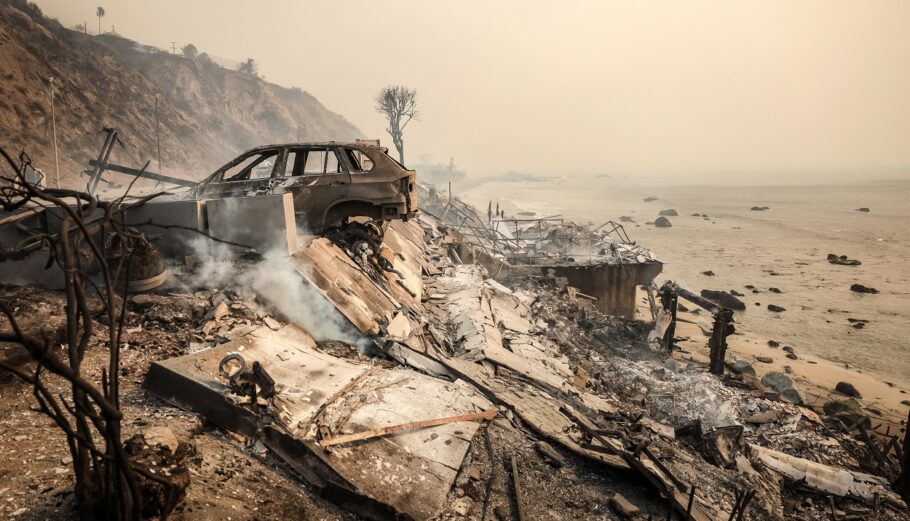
(310, 144)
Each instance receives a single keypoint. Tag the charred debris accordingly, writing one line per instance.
(438, 364)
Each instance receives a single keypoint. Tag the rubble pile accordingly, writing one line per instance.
(470, 392)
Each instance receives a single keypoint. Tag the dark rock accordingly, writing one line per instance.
(774, 290)
(681, 307)
(502, 513)
(847, 389)
(759, 208)
(777, 381)
(773, 343)
(626, 219)
(662, 222)
(859, 288)
(723, 298)
(650, 198)
(749, 286)
(736, 293)
(775, 308)
(863, 209)
(849, 410)
(792, 356)
(696, 215)
(669, 213)
(842, 260)
(708, 273)
(783, 385)
(765, 359)
(792, 395)
(740, 366)
(788, 349)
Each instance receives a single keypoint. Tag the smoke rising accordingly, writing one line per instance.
(276, 281)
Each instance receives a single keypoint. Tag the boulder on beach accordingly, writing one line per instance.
(626, 219)
(736, 293)
(863, 209)
(670, 213)
(859, 288)
(650, 198)
(773, 343)
(662, 222)
(791, 395)
(847, 389)
(777, 381)
(783, 386)
(708, 273)
(774, 290)
(842, 260)
(775, 308)
(723, 298)
(740, 366)
(759, 208)
(849, 410)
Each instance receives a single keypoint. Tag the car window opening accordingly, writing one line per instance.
(254, 167)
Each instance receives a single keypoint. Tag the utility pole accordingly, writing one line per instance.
(54, 124)
(157, 133)
(173, 47)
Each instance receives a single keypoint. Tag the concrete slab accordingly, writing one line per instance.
(406, 475)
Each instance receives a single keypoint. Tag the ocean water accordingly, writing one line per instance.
(784, 247)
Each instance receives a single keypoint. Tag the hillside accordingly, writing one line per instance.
(207, 114)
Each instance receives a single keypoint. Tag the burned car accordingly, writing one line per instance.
(331, 182)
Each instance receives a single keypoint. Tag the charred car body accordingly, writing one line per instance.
(331, 182)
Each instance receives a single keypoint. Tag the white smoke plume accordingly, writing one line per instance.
(275, 281)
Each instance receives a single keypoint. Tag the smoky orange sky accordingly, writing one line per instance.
(681, 91)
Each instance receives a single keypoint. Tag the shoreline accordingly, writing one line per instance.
(740, 248)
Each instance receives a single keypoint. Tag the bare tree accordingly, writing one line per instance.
(110, 483)
(399, 105)
(99, 13)
(189, 51)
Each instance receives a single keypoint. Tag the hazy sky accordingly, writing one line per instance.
(732, 91)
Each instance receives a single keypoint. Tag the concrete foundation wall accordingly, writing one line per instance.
(260, 222)
(172, 242)
(613, 285)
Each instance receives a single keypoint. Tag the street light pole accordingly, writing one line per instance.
(54, 124)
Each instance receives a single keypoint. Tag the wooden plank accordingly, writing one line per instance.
(519, 500)
(489, 414)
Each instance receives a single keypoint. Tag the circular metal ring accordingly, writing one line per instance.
(227, 358)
